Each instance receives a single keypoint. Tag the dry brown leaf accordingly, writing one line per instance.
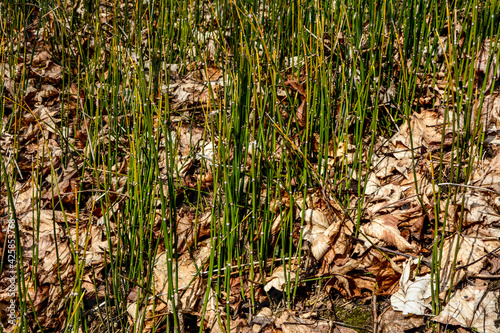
(291, 324)
(384, 228)
(280, 276)
(341, 282)
(45, 221)
(316, 218)
(487, 175)
(46, 91)
(189, 284)
(394, 322)
(239, 325)
(477, 208)
(297, 86)
(52, 73)
(340, 245)
(471, 254)
(320, 246)
(185, 229)
(191, 91)
(315, 227)
(490, 113)
(488, 54)
(475, 307)
(302, 113)
(263, 318)
(41, 59)
(322, 243)
(23, 199)
(387, 278)
(426, 130)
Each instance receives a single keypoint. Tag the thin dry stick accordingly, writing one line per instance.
(485, 276)
(470, 186)
(374, 310)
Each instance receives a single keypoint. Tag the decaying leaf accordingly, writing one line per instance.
(316, 218)
(413, 296)
(264, 318)
(384, 228)
(395, 322)
(321, 244)
(487, 59)
(189, 283)
(471, 255)
(291, 324)
(475, 307)
(280, 277)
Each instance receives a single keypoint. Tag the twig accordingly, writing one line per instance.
(242, 265)
(486, 276)
(481, 258)
(470, 186)
(351, 326)
(374, 309)
(424, 261)
(300, 323)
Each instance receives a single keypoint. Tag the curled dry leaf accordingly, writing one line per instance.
(321, 244)
(316, 218)
(277, 280)
(413, 296)
(280, 277)
(475, 307)
(190, 286)
(471, 255)
(487, 55)
(316, 225)
(394, 322)
(490, 113)
(384, 228)
(289, 323)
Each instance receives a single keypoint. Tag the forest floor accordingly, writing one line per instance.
(250, 166)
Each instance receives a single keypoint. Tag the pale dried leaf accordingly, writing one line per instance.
(320, 246)
(488, 54)
(395, 322)
(413, 296)
(316, 218)
(471, 253)
(189, 283)
(291, 324)
(474, 307)
(384, 228)
(278, 279)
